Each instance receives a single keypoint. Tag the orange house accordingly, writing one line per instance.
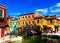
(29, 18)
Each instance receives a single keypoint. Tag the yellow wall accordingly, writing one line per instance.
(8, 22)
(37, 20)
(46, 22)
(55, 22)
(41, 21)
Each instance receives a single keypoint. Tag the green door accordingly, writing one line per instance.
(1, 13)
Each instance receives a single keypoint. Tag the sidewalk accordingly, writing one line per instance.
(6, 38)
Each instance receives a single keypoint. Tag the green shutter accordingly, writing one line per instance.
(1, 12)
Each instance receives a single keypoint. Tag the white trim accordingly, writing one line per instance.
(0, 32)
(3, 13)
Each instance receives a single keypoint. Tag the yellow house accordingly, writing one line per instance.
(8, 22)
(41, 21)
(48, 21)
(52, 20)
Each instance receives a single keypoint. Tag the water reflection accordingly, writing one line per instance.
(32, 39)
(41, 39)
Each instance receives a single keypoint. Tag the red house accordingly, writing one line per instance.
(2, 20)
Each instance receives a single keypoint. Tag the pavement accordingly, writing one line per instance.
(11, 39)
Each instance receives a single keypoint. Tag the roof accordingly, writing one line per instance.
(47, 17)
(14, 18)
(51, 18)
(2, 6)
(39, 17)
(26, 14)
(50, 15)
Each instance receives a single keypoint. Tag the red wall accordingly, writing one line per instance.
(3, 8)
(3, 29)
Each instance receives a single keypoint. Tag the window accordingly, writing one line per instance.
(29, 22)
(32, 22)
(1, 12)
(13, 23)
(25, 16)
(16, 22)
(50, 21)
(32, 16)
(23, 22)
(37, 21)
(28, 16)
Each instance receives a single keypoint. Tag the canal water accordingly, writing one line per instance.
(40, 39)
(32, 39)
(35, 39)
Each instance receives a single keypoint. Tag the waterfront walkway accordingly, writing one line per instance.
(6, 39)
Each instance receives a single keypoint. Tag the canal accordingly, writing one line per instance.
(41, 39)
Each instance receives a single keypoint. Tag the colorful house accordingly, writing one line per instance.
(27, 18)
(52, 21)
(13, 24)
(47, 21)
(2, 20)
(41, 21)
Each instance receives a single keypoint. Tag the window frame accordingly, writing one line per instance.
(37, 21)
(32, 16)
(32, 22)
(2, 13)
(28, 16)
(25, 16)
(51, 21)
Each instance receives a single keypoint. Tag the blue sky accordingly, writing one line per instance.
(18, 7)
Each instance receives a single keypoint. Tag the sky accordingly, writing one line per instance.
(19, 7)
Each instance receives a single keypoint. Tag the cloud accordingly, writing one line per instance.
(15, 13)
(42, 10)
(51, 7)
(55, 8)
(58, 4)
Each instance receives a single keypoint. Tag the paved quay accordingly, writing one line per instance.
(11, 39)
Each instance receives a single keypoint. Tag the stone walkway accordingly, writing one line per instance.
(11, 39)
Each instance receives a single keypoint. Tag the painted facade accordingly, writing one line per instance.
(48, 21)
(29, 18)
(13, 24)
(2, 20)
(41, 20)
